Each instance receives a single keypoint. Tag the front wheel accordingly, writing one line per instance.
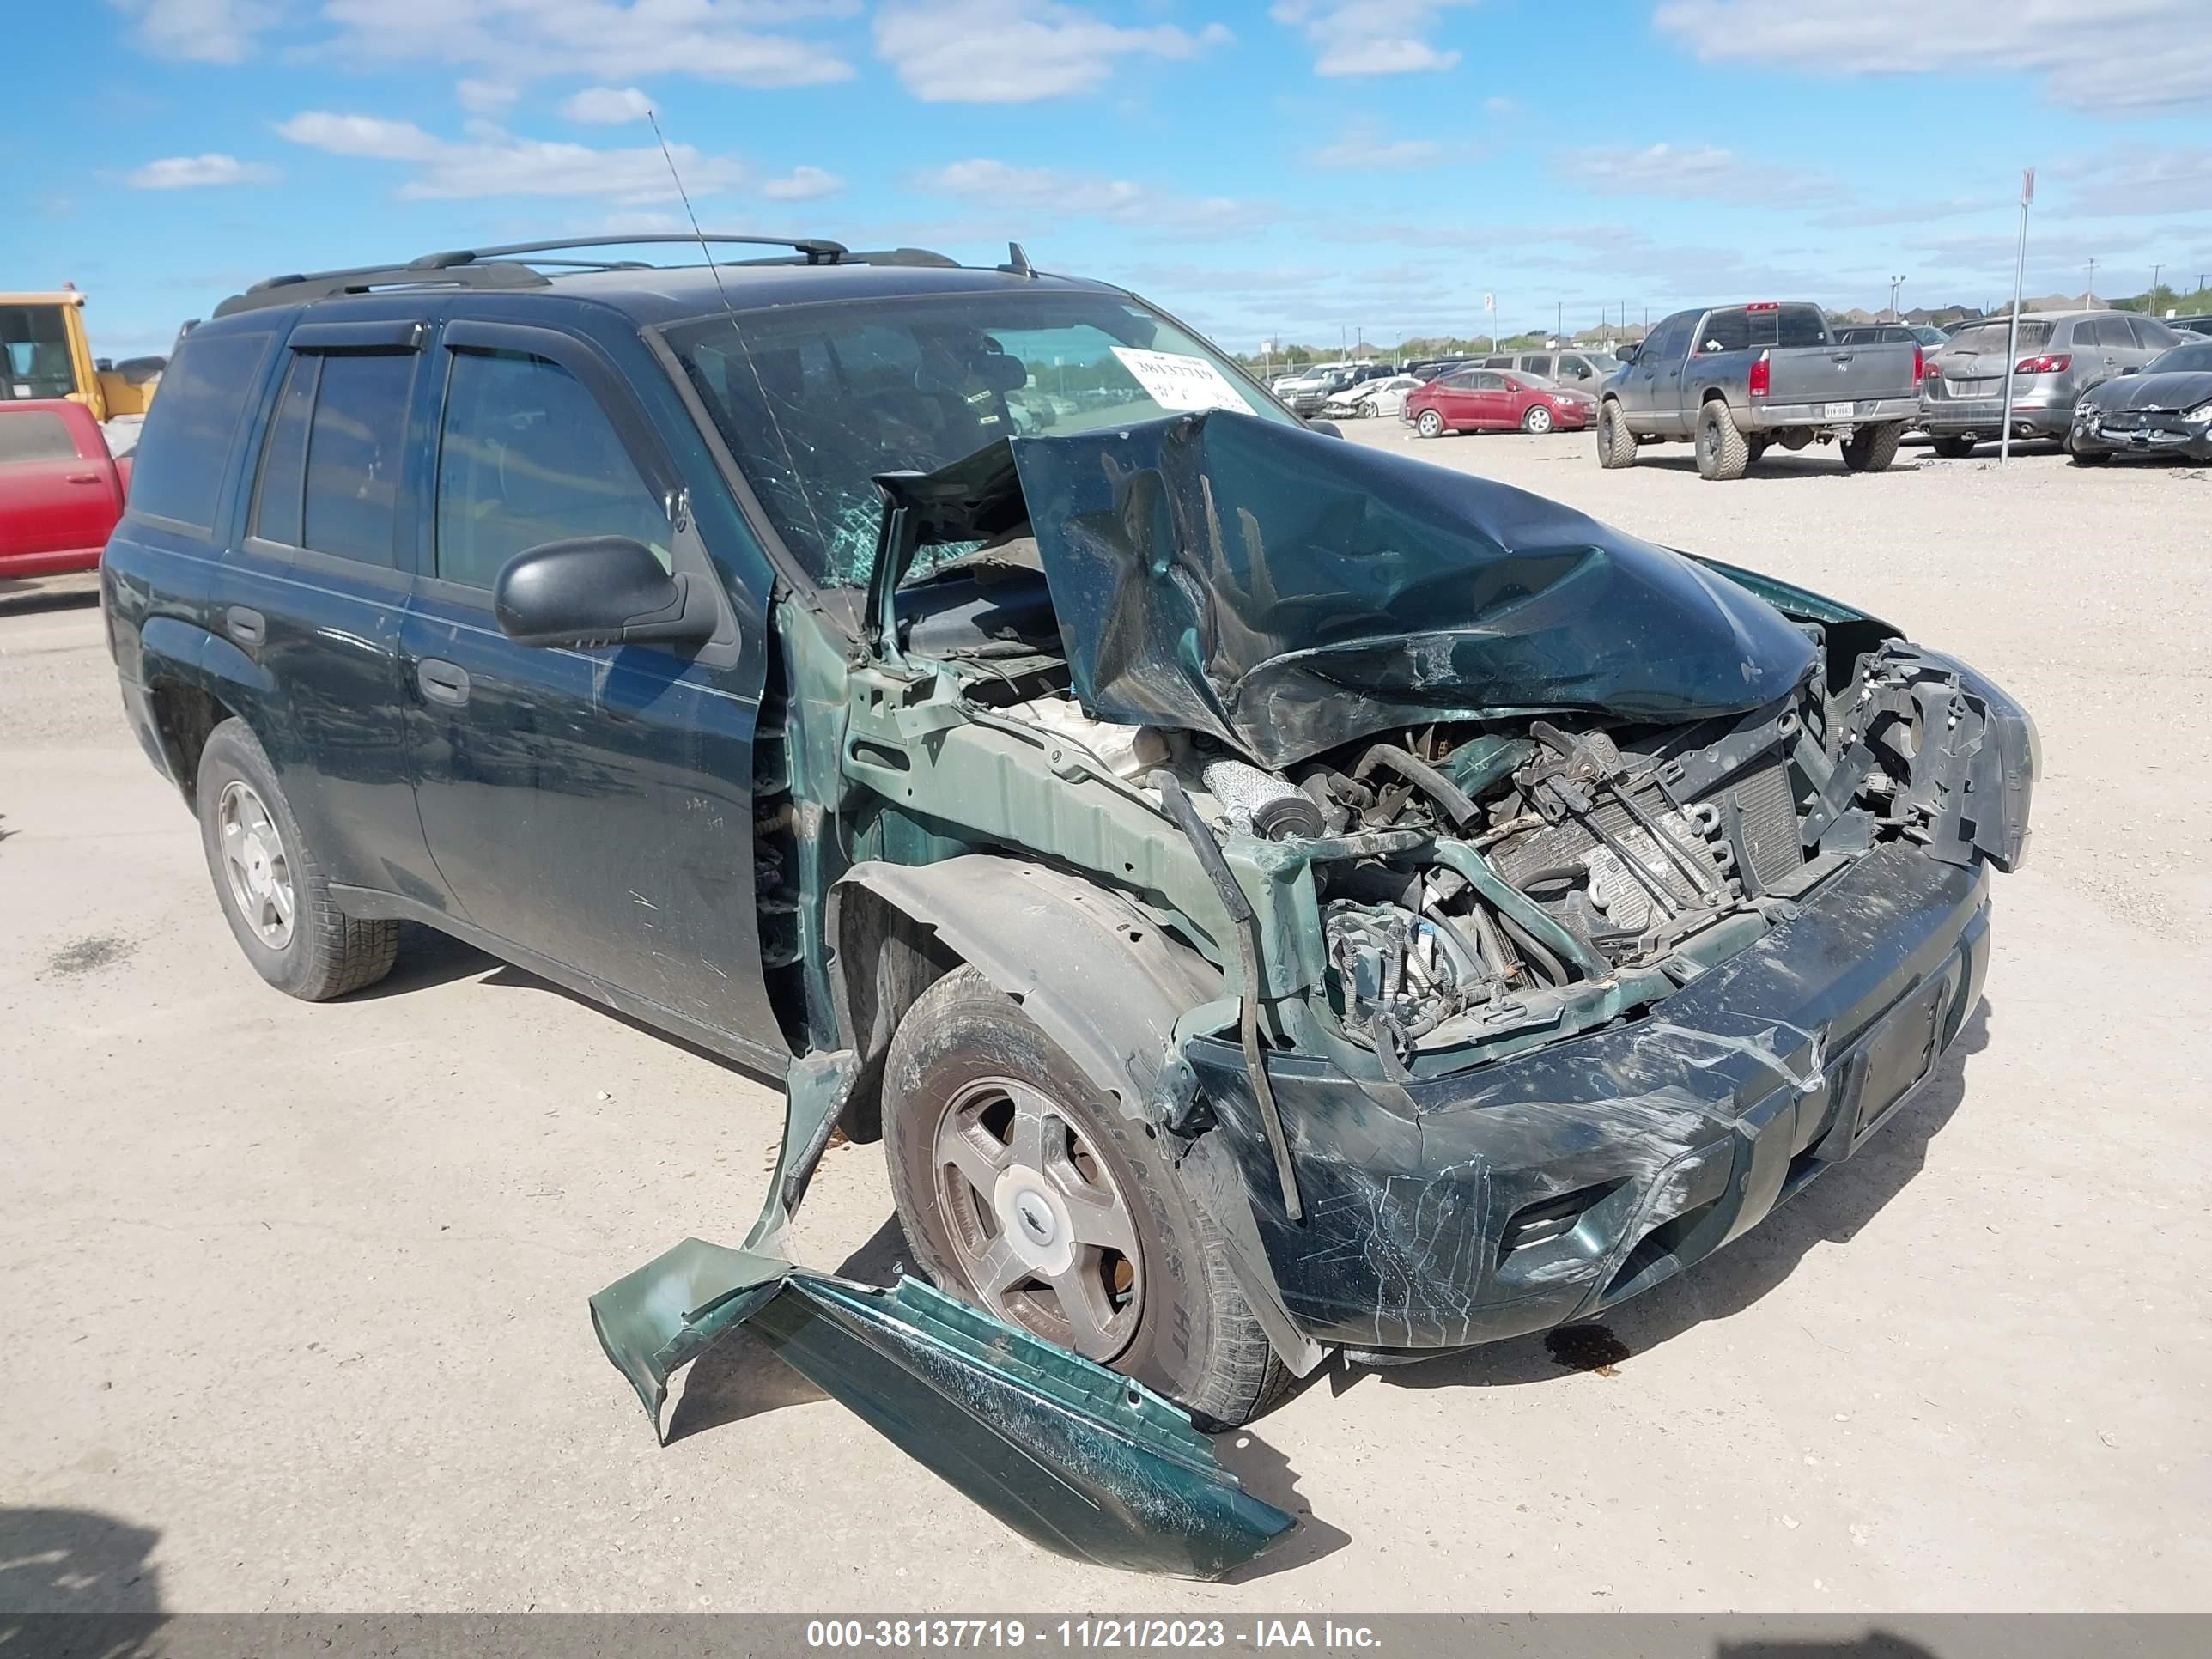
(1871, 448)
(1430, 424)
(2086, 457)
(1616, 444)
(1023, 1188)
(273, 892)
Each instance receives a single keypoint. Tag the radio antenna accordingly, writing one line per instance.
(684, 197)
(736, 335)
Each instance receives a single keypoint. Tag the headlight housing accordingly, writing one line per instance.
(2202, 412)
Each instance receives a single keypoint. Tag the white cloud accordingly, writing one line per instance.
(2139, 179)
(2115, 57)
(750, 43)
(489, 162)
(485, 97)
(608, 106)
(1015, 52)
(1365, 149)
(1679, 171)
(1045, 191)
(1370, 37)
(202, 31)
(193, 172)
(802, 184)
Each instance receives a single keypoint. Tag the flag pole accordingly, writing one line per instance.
(2012, 338)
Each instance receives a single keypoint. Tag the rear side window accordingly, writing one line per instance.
(2109, 331)
(284, 454)
(355, 444)
(184, 449)
(34, 434)
(528, 456)
(1538, 364)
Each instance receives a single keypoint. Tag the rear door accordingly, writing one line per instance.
(59, 496)
(592, 807)
(1454, 396)
(313, 592)
(1492, 400)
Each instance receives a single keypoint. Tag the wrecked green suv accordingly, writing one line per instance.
(1268, 895)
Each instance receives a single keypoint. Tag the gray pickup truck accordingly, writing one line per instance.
(1736, 378)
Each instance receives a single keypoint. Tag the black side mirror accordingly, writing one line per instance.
(598, 590)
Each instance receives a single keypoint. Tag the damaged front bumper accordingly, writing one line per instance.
(1085, 1463)
(1447, 1211)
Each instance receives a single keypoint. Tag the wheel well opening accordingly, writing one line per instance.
(886, 960)
(183, 715)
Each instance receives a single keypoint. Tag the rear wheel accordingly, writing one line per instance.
(1616, 444)
(1871, 448)
(1722, 453)
(273, 892)
(1430, 424)
(1023, 1189)
(1952, 449)
(1538, 420)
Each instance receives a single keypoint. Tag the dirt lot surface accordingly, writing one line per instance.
(292, 1297)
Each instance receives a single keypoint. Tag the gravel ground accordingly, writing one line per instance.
(292, 1297)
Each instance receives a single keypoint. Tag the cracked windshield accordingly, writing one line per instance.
(816, 400)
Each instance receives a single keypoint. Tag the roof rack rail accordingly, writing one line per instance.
(512, 265)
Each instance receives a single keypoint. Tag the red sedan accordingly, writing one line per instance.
(1496, 400)
(61, 492)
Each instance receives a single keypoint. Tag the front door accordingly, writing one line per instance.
(592, 807)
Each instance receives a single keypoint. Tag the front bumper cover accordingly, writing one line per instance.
(1455, 1211)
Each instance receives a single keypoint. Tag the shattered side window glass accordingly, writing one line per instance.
(816, 400)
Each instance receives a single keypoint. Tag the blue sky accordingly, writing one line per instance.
(1304, 168)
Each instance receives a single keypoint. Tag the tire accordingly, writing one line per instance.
(2086, 457)
(1616, 444)
(1952, 449)
(967, 1064)
(1430, 424)
(1537, 421)
(261, 865)
(1722, 453)
(1872, 449)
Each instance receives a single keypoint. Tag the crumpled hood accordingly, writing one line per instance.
(1288, 591)
(2181, 390)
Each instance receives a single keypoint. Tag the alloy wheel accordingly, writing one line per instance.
(1042, 1231)
(254, 861)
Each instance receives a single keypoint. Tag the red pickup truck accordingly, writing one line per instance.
(61, 491)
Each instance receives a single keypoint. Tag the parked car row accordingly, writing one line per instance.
(2056, 358)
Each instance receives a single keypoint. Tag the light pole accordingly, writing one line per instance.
(1895, 283)
(2089, 294)
(2150, 305)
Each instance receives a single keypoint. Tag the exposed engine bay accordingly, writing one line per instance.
(1612, 849)
(1482, 880)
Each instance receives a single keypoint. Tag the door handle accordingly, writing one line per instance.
(442, 682)
(246, 626)
(80, 478)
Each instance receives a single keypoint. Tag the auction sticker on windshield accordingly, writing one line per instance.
(1177, 382)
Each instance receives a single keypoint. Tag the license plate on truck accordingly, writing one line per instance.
(1836, 412)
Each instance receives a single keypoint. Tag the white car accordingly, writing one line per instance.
(1370, 398)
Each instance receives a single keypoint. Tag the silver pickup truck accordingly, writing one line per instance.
(1738, 378)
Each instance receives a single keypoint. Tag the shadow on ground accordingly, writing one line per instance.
(93, 1568)
(1831, 1211)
